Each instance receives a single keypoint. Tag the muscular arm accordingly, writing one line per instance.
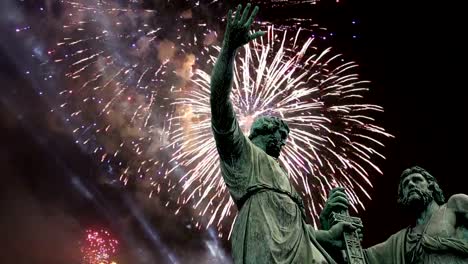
(332, 247)
(222, 113)
(389, 252)
(228, 135)
(459, 204)
(332, 240)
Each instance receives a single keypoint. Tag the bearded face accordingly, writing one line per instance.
(269, 134)
(276, 141)
(415, 193)
(273, 142)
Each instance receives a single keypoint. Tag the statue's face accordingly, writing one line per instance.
(274, 142)
(413, 184)
(416, 191)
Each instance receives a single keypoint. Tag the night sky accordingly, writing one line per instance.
(413, 54)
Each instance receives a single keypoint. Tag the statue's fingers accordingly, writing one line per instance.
(349, 226)
(244, 14)
(339, 244)
(236, 17)
(360, 235)
(338, 206)
(257, 34)
(228, 19)
(252, 16)
(336, 189)
(338, 194)
(340, 199)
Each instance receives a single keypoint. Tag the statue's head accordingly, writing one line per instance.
(418, 188)
(270, 134)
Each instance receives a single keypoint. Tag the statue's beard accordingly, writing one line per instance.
(273, 151)
(418, 203)
(273, 148)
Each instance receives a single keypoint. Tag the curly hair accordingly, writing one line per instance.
(264, 125)
(437, 193)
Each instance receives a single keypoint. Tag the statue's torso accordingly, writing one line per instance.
(429, 250)
(269, 227)
(441, 224)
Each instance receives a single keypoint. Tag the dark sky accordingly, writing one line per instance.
(414, 54)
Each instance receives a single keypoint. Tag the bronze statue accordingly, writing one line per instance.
(438, 233)
(270, 226)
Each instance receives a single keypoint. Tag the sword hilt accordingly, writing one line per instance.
(354, 253)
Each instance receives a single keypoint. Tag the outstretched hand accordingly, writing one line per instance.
(237, 30)
(337, 202)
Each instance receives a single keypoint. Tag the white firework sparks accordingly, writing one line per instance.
(124, 68)
(331, 139)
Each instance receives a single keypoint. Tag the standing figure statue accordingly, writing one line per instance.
(270, 226)
(438, 232)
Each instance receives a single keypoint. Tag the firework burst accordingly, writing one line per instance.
(332, 136)
(136, 95)
(121, 65)
(98, 247)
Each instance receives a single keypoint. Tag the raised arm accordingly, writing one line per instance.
(223, 117)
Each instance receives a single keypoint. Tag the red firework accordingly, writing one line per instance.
(98, 247)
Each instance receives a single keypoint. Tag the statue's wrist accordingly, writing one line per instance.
(231, 52)
(324, 223)
(229, 47)
(323, 237)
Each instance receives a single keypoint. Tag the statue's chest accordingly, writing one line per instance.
(282, 179)
(281, 173)
(442, 223)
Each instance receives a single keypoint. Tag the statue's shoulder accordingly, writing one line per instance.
(393, 239)
(458, 202)
(398, 235)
